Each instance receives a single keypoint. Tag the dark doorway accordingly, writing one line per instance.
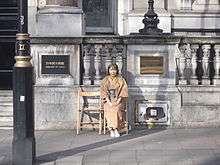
(8, 30)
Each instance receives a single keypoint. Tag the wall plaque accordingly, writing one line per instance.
(55, 64)
(152, 110)
(151, 65)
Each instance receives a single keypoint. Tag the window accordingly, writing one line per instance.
(100, 16)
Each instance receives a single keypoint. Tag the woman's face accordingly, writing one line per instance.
(112, 72)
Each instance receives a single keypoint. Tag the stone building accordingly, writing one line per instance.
(177, 71)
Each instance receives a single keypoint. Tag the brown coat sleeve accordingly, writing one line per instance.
(104, 89)
(123, 89)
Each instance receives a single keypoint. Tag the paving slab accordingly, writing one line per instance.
(157, 146)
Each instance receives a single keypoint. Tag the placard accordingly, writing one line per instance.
(151, 65)
(55, 64)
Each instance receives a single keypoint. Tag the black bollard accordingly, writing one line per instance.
(23, 145)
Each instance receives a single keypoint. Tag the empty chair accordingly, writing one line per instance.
(89, 105)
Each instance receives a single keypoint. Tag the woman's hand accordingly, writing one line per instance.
(109, 102)
(118, 100)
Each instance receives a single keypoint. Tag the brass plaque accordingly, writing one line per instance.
(151, 64)
(55, 64)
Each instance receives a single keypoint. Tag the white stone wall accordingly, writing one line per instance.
(54, 21)
(175, 14)
(55, 95)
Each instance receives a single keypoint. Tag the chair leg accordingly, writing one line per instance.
(104, 123)
(78, 123)
(100, 123)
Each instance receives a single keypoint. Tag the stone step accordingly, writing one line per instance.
(6, 99)
(6, 114)
(6, 109)
(6, 127)
(6, 106)
(7, 93)
(6, 124)
(6, 118)
(6, 121)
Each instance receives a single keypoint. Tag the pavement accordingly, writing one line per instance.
(199, 146)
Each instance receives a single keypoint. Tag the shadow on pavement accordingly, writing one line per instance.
(70, 152)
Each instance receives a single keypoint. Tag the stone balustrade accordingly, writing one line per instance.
(199, 61)
(97, 56)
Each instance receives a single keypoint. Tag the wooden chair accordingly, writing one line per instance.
(85, 107)
(125, 116)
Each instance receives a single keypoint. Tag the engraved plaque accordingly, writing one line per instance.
(55, 64)
(151, 65)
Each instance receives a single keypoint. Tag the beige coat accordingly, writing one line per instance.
(114, 113)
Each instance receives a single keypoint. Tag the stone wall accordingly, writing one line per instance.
(55, 96)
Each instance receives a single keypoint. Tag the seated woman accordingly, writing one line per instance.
(114, 91)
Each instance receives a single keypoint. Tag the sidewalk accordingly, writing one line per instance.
(140, 147)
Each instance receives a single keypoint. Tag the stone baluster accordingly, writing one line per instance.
(206, 51)
(103, 53)
(119, 63)
(181, 62)
(108, 58)
(217, 62)
(114, 54)
(199, 64)
(193, 54)
(211, 66)
(119, 58)
(88, 52)
(188, 64)
(124, 62)
(97, 64)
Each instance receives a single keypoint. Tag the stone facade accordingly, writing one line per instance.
(58, 28)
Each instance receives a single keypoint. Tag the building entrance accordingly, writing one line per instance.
(8, 30)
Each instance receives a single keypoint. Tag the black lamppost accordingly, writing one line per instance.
(150, 21)
(23, 147)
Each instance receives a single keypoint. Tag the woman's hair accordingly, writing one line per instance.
(114, 66)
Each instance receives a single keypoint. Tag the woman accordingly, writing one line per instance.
(114, 91)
